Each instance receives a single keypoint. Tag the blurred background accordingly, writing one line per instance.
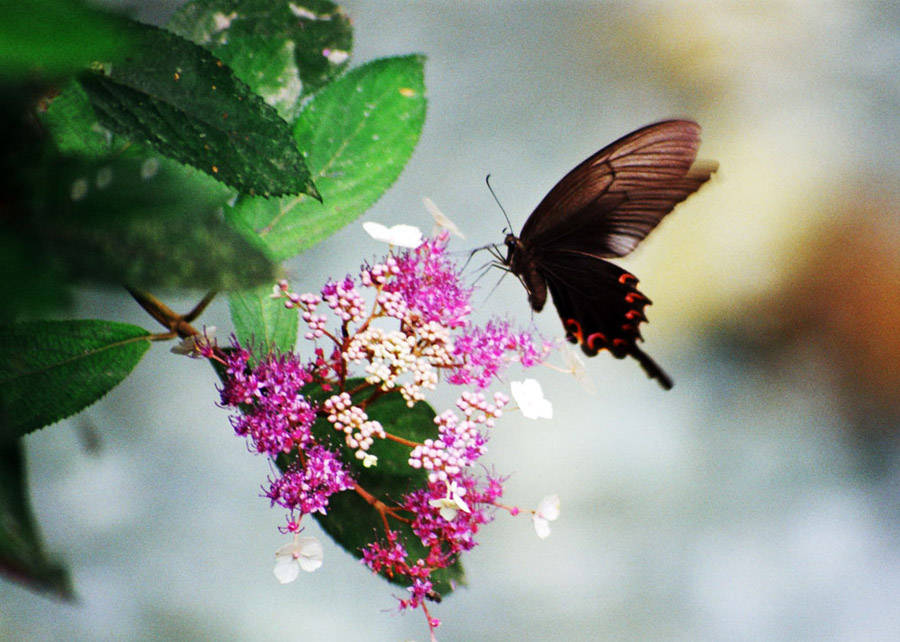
(758, 500)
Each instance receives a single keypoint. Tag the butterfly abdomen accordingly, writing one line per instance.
(520, 263)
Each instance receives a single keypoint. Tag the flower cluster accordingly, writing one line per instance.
(307, 488)
(480, 353)
(459, 443)
(353, 422)
(392, 333)
(279, 417)
(429, 284)
(444, 523)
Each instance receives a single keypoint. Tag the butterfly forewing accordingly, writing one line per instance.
(612, 200)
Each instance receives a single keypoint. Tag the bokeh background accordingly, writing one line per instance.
(758, 500)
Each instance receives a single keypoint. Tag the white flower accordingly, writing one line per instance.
(441, 222)
(530, 397)
(303, 553)
(452, 503)
(547, 511)
(575, 365)
(191, 345)
(369, 460)
(399, 235)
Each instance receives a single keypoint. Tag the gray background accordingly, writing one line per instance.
(736, 507)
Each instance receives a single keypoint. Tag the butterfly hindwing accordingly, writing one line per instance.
(600, 308)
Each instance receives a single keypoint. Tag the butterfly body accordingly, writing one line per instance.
(602, 209)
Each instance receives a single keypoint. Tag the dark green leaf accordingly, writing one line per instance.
(185, 103)
(55, 37)
(360, 132)
(22, 555)
(263, 322)
(351, 521)
(283, 51)
(50, 370)
(32, 279)
(147, 223)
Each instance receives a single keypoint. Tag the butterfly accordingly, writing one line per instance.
(602, 209)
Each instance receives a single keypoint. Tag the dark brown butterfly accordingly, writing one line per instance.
(602, 209)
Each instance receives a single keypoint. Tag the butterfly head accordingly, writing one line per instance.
(516, 255)
(512, 244)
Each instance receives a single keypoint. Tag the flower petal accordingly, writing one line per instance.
(193, 345)
(441, 222)
(575, 365)
(448, 512)
(547, 511)
(400, 235)
(541, 527)
(530, 397)
(311, 553)
(548, 507)
(286, 568)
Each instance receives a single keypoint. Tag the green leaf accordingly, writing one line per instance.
(351, 521)
(22, 554)
(56, 37)
(50, 370)
(360, 132)
(263, 322)
(75, 128)
(73, 124)
(283, 51)
(147, 223)
(186, 104)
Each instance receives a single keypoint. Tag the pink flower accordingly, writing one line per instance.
(307, 488)
(277, 417)
(483, 353)
(430, 285)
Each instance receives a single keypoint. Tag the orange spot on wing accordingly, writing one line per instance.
(573, 331)
(597, 342)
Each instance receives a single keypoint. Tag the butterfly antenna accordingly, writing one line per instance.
(487, 179)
